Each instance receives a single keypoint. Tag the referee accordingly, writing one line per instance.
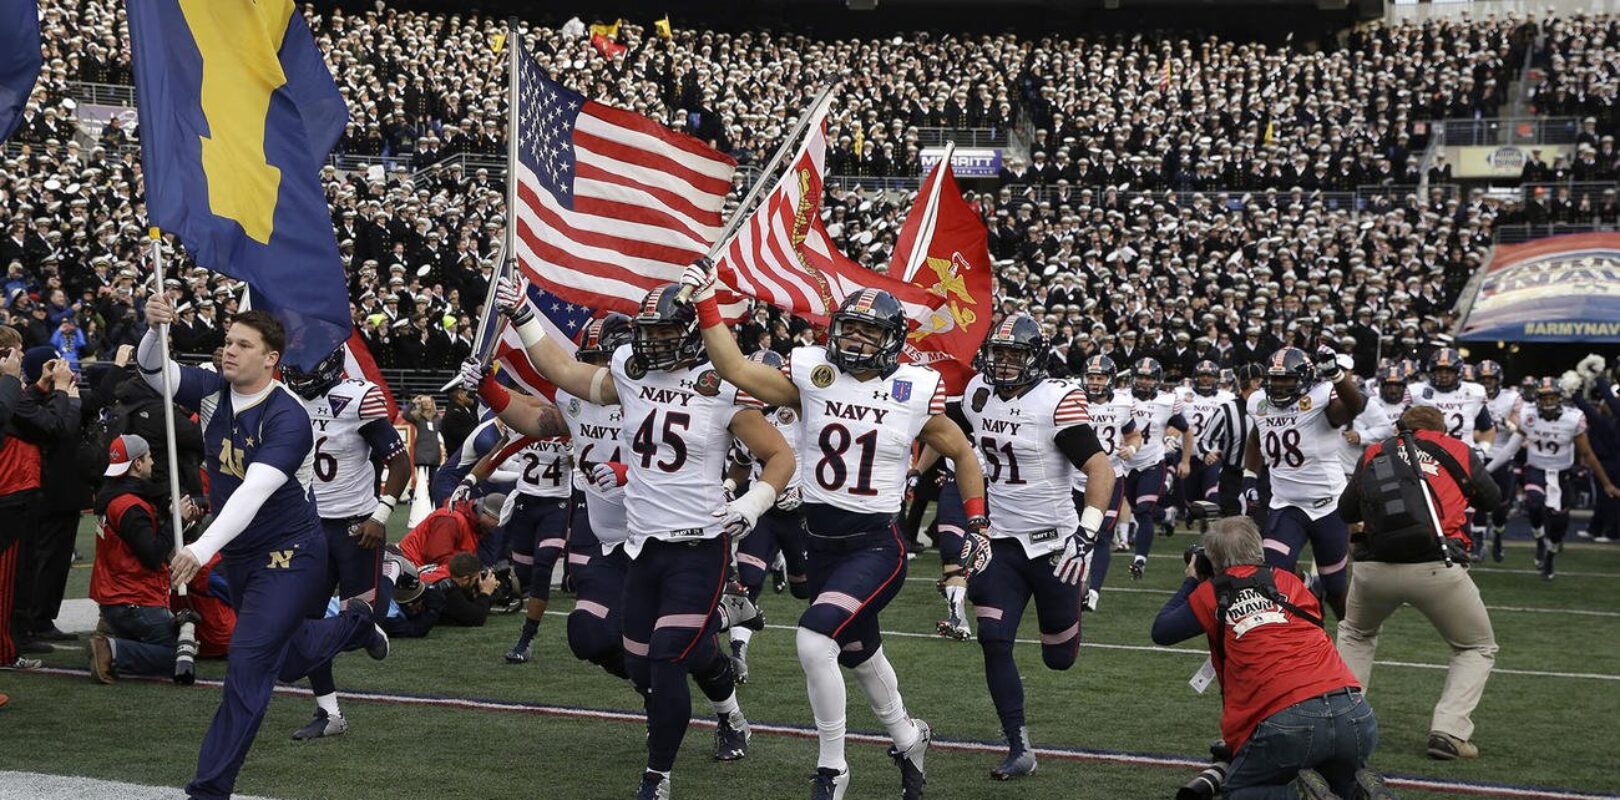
(258, 449)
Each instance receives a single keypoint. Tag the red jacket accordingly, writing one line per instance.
(28, 419)
(1453, 502)
(1279, 658)
(118, 578)
(443, 534)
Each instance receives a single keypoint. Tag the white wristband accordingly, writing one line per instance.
(1249, 473)
(1091, 520)
(531, 332)
(756, 501)
(384, 510)
(597, 380)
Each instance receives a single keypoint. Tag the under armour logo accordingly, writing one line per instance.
(280, 559)
(884, 396)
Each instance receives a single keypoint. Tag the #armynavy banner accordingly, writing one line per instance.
(1558, 289)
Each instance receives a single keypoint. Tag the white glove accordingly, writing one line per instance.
(789, 499)
(1570, 383)
(700, 277)
(608, 475)
(472, 374)
(1071, 563)
(740, 515)
(509, 301)
(1591, 366)
(463, 490)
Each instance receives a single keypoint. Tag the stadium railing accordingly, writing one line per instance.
(101, 94)
(1577, 189)
(964, 137)
(1510, 130)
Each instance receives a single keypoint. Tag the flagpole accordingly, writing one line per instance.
(930, 218)
(741, 215)
(506, 263)
(183, 670)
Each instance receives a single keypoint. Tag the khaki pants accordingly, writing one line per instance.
(1449, 598)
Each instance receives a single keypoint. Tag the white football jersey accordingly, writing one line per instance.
(1113, 421)
(855, 439)
(543, 467)
(345, 481)
(1506, 407)
(1461, 406)
(594, 430)
(1551, 442)
(676, 436)
(1301, 451)
(1152, 418)
(786, 421)
(1202, 413)
(1027, 478)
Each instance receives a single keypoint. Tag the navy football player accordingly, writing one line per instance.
(1033, 432)
(861, 412)
(352, 433)
(680, 418)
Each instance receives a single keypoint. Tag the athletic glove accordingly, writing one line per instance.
(740, 515)
(790, 499)
(1249, 498)
(609, 475)
(472, 373)
(463, 490)
(1071, 562)
(509, 301)
(699, 277)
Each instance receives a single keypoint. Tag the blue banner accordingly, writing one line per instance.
(1558, 289)
(237, 113)
(20, 60)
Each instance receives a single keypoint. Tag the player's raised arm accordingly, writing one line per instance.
(766, 383)
(1348, 401)
(190, 384)
(556, 364)
(528, 415)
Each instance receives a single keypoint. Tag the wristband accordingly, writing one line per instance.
(494, 394)
(1091, 520)
(531, 332)
(729, 485)
(384, 509)
(597, 380)
(708, 310)
(1249, 473)
(973, 507)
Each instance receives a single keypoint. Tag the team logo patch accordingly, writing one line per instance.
(573, 407)
(1305, 403)
(822, 376)
(708, 383)
(338, 404)
(635, 368)
(980, 397)
(901, 390)
(786, 416)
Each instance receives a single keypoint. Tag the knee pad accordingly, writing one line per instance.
(716, 677)
(856, 653)
(1060, 657)
(799, 587)
(589, 638)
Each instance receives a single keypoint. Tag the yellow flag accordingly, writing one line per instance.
(610, 31)
(1270, 129)
(661, 27)
(500, 42)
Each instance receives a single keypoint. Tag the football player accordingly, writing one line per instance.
(680, 418)
(536, 524)
(779, 531)
(1392, 397)
(1505, 407)
(1202, 407)
(455, 480)
(1554, 434)
(861, 410)
(1033, 433)
(1463, 403)
(349, 420)
(1296, 440)
(1113, 418)
(1157, 412)
(950, 527)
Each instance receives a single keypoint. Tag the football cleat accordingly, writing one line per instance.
(321, 726)
(1020, 759)
(653, 787)
(20, 663)
(828, 784)
(779, 576)
(1093, 597)
(1138, 567)
(954, 627)
(520, 655)
(731, 737)
(739, 661)
(913, 772)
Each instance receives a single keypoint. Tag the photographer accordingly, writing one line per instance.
(1402, 560)
(1291, 710)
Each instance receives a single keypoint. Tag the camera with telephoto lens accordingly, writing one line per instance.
(1195, 555)
(1207, 783)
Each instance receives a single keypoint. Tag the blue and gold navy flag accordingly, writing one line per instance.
(20, 60)
(237, 113)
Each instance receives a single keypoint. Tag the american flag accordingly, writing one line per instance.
(562, 321)
(609, 203)
(783, 255)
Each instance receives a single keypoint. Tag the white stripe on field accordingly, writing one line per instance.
(1073, 754)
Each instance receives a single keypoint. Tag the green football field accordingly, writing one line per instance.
(446, 717)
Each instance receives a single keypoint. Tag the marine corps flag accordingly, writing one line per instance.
(944, 249)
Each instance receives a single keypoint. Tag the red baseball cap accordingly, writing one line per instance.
(122, 453)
